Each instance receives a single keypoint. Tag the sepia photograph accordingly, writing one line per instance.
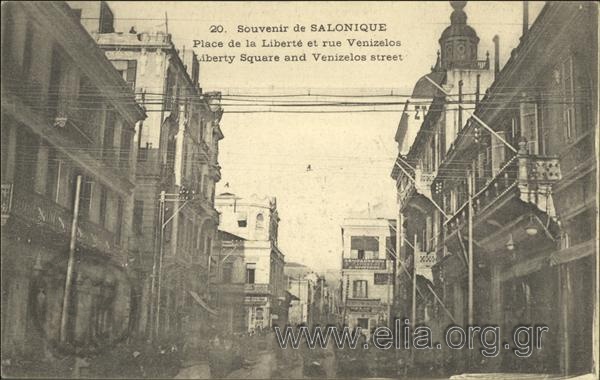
(302, 189)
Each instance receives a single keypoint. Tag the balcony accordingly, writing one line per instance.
(524, 183)
(481, 64)
(359, 305)
(421, 185)
(257, 288)
(228, 288)
(366, 264)
(423, 182)
(40, 212)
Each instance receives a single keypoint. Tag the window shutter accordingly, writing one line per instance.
(498, 152)
(131, 72)
(529, 126)
(366, 243)
(481, 165)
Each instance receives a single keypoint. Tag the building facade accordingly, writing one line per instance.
(175, 221)
(301, 308)
(515, 191)
(426, 135)
(259, 272)
(69, 124)
(367, 272)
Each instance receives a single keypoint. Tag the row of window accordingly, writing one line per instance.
(560, 106)
(71, 102)
(40, 167)
(227, 273)
(242, 220)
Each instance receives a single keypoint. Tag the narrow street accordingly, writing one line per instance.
(322, 189)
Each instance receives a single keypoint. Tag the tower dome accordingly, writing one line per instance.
(459, 41)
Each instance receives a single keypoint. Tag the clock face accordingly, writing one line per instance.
(461, 50)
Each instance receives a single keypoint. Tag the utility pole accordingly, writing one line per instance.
(161, 249)
(158, 261)
(64, 319)
(151, 318)
(470, 259)
(414, 287)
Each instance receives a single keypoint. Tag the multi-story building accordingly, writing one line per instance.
(516, 190)
(177, 154)
(252, 225)
(426, 135)
(367, 272)
(301, 307)
(69, 125)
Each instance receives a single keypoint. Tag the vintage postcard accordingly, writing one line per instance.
(286, 190)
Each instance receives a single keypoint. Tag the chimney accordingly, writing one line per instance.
(525, 17)
(496, 55)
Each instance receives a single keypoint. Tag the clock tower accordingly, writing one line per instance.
(458, 43)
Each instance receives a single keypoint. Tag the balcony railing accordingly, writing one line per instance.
(422, 184)
(364, 305)
(36, 209)
(482, 64)
(227, 287)
(257, 288)
(363, 302)
(369, 264)
(529, 175)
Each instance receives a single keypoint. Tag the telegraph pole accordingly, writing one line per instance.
(187, 195)
(64, 319)
(155, 272)
(414, 287)
(470, 259)
(160, 261)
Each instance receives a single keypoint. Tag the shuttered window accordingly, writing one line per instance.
(364, 247)
(138, 217)
(366, 243)
(131, 73)
(359, 289)
(529, 126)
(498, 152)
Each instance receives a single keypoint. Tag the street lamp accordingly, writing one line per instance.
(510, 244)
(531, 228)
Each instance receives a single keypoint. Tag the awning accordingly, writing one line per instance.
(200, 302)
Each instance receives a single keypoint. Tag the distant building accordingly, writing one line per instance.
(301, 309)
(66, 113)
(253, 222)
(315, 302)
(228, 282)
(367, 272)
(177, 154)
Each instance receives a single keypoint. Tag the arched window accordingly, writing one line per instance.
(260, 221)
